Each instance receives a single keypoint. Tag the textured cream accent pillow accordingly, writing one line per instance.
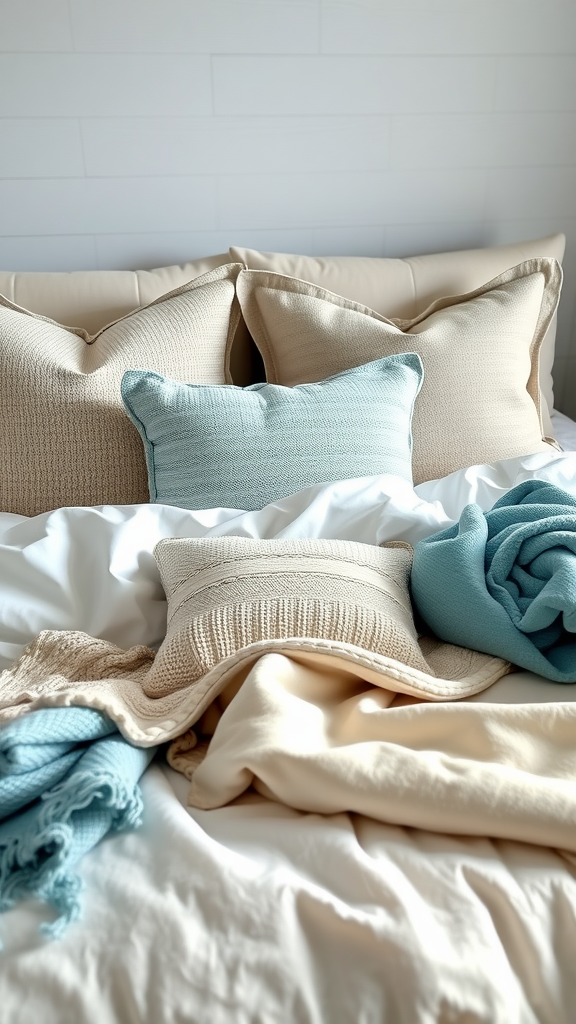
(342, 603)
(406, 287)
(480, 400)
(65, 438)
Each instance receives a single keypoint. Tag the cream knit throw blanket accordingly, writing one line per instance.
(231, 600)
(354, 718)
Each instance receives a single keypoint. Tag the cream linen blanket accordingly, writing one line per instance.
(306, 732)
(319, 723)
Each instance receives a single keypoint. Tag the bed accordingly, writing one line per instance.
(261, 901)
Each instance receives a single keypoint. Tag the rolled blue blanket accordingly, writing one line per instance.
(504, 581)
(67, 778)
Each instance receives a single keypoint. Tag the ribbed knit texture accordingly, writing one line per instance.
(242, 448)
(64, 436)
(480, 400)
(226, 593)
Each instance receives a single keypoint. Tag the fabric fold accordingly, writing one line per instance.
(38, 751)
(323, 743)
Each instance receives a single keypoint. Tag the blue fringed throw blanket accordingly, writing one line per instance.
(67, 778)
(504, 581)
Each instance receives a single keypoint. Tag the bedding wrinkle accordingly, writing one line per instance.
(326, 922)
(518, 929)
(459, 768)
(152, 899)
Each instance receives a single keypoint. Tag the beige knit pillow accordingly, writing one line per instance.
(233, 599)
(227, 593)
(65, 438)
(480, 398)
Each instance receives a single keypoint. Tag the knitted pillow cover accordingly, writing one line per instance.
(64, 436)
(480, 400)
(210, 447)
(233, 599)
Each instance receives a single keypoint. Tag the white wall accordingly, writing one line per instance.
(144, 132)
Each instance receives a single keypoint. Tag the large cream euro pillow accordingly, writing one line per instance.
(64, 436)
(405, 287)
(480, 399)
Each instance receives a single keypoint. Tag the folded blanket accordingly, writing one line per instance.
(504, 581)
(37, 752)
(86, 775)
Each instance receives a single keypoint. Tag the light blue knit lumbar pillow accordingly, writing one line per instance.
(210, 446)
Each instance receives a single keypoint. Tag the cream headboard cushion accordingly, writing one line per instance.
(90, 299)
(404, 288)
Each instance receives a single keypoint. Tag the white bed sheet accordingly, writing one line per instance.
(564, 430)
(256, 912)
(93, 569)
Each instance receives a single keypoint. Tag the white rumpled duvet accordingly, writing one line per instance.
(256, 912)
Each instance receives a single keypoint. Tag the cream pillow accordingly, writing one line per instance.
(233, 599)
(480, 398)
(64, 436)
(406, 287)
